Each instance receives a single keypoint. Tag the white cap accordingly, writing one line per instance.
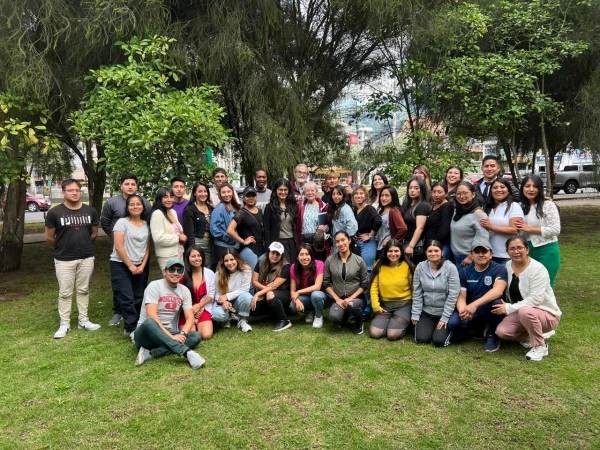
(276, 247)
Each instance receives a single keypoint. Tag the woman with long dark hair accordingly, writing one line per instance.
(503, 215)
(200, 280)
(465, 227)
(220, 219)
(166, 230)
(440, 216)
(454, 175)
(281, 218)
(391, 287)
(392, 222)
(247, 228)
(541, 225)
(436, 286)
(196, 221)
(340, 216)
(377, 184)
(131, 250)
(415, 210)
(306, 280)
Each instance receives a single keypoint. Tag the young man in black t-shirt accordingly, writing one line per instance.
(71, 229)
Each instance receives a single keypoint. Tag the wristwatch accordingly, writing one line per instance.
(183, 332)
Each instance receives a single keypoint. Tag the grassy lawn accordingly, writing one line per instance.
(301, 388)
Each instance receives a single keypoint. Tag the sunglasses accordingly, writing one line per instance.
(179, 270)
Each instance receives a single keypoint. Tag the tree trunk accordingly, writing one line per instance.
(11, 242)
(549, 162)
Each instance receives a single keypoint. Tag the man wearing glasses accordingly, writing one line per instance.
(300, 179)
(71, 229)
(156, 334)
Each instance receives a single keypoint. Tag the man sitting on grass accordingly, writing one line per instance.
(156, 334)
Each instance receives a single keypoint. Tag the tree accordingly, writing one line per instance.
(143, 123)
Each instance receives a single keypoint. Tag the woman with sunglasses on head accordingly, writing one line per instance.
(196, 220)
(379, 181)
(438, 222)
(166, 230)
(234, 280)
(308, 218)
(541, 225)
(436, 286)
(415, 210)
(131, 250)
(247, 228)
(200, 280)
(271, 282)
(532, 313)
(391, 287)
(340, 216)
(454, 175)
(465, 227)
(220, 220)
(503, 216)
(306, 281)
(281, 218)
(345, 279)
(392, 222)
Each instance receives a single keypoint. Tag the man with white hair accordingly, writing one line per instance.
(300, 179)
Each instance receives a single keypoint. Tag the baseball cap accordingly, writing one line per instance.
(250, 190)
(276, 247)
(174, 262)
(484, 244)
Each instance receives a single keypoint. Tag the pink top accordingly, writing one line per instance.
(320, 270)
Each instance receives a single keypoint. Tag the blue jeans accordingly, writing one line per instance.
(316, 301)
(483, 315)
(448, 252)
(249, 257)
(241, 304)
(128, 293)
(152, 337)
(499, 260)
(458, 259)
(368, 251)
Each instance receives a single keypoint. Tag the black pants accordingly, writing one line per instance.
(128, 293)
(289, 248)
(426, 331)
(275, 307)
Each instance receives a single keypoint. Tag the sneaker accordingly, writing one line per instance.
(129, 334)
(492, 344)
(310, 317)
(195, 360)
(318, 322)
(234, 317)
(227, 324)
(115, 320)
(62, 331)
(527, 343)
(282, 325)
(87, 325)
(537, 353)
(244, 326)
(358, 327)
(142, 356)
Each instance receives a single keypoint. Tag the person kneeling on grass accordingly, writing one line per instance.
(391, 292)
(532, 313)
(346, 278)
(435, 291)
(482, 284)
(164, 300)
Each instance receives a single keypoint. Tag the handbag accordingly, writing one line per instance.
(418, 250)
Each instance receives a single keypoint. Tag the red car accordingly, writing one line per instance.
(34, 204)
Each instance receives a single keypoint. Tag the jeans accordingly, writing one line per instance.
(152, 337)
(241, 304)
(73, 275)
(128, 293)
(316, 301)
(448, 252)
(368, 251)
(499, 260)
(249, 257)
(458, 259)
(483, 314)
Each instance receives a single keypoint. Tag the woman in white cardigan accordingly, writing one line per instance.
(532, 313)
(166, 230)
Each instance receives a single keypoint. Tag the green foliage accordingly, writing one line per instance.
(144, 124)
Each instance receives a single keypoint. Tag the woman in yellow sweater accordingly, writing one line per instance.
(391, 292)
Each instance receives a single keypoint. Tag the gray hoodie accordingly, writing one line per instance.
(436, 295)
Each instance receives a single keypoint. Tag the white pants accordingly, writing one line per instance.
(73, 274)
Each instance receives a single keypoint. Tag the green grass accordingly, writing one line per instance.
(301, 388)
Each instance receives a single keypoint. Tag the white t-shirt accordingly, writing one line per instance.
(498, 218)
(135, 242)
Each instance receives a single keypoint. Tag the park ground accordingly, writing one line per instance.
(301, 388)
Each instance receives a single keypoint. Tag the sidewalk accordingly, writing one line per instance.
(36, 238)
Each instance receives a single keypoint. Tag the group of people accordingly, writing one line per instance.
(451, 257)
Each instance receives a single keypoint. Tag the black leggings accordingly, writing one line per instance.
(275, 307)
(426, 331)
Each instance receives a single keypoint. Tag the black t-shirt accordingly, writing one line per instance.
(73, 231)
(368, 219)
(249, 224)
(422, 209)
(438, 223)
(285, 273)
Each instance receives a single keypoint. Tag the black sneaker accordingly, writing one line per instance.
(358, 327)
(282, 325)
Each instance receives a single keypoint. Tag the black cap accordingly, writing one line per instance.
(250, 190)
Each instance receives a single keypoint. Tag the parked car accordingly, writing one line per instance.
(576, 176)
(474, 177)
(34, 204)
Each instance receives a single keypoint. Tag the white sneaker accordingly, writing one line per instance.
(537, 353)
(318, 322)
(244, 326)
(310, 317)
(227, 324)
(142, 356)
(195, 360)
(546, 336)
(115, 320)
(62, 331)
(526, 343)
(87, 325)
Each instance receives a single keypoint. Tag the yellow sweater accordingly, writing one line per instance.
(391, 285)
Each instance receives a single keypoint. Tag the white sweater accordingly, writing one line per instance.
(166, 241)
(239, 282)
(534, 285)
(550, 224)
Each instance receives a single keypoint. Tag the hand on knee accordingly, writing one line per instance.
(270, 295)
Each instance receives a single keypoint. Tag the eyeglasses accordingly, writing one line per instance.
(179, 270)
(301, 172)
(516, 249)
(282, 190)
(73, 191)
(462, 194)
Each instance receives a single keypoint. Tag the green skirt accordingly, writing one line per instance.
(549, 256)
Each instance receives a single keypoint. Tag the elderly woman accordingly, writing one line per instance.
(532, 313)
